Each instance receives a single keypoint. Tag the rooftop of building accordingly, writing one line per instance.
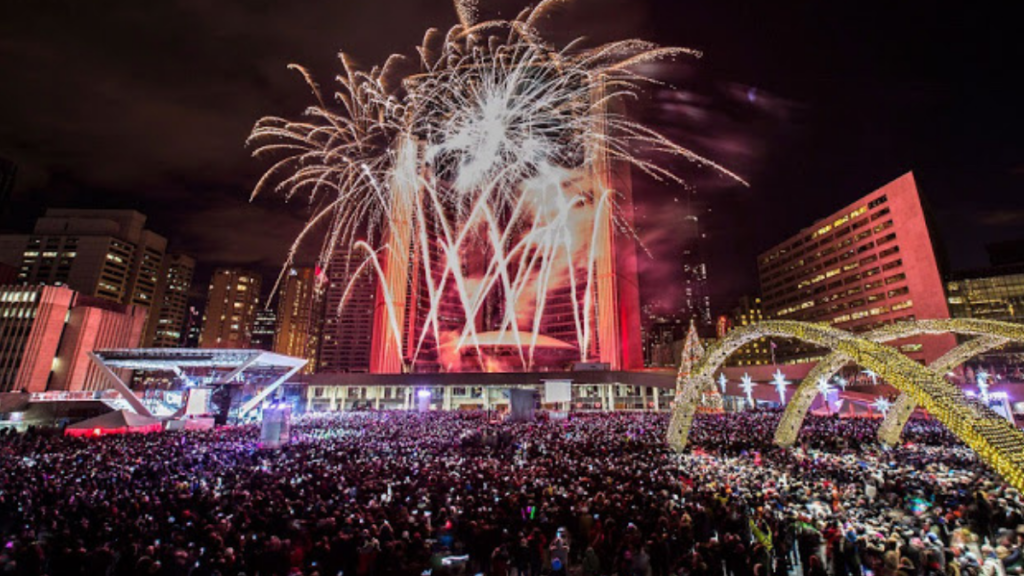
(895, 185)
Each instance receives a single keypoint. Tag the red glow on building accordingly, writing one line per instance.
(869, 264)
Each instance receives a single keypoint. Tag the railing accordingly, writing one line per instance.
(81, 395)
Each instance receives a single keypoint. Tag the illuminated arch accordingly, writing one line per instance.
(997, 441)
(990, 334)
(892, 426)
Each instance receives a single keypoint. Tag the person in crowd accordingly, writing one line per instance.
(402, 493)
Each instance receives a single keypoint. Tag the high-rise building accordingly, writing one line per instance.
(104, 253)
(48, 331)
(747, 312)
(565, 307)
(660, 338)
(231, 307)
(193, 323)
(298, 316)
(165, 327)
(144, 276)
(867, 265)
(264, 329)
(347, 333)
(695, 300)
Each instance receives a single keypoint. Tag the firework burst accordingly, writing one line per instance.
(485, 142)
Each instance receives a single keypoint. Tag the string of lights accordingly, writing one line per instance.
(892, 426)
(996, 440)
(897, 417)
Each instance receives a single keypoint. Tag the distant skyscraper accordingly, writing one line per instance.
(165, 327)
(695, 300)
(659, 338)
(230, 309)
(347, 331)
(147, 264)
(48, 332)
(298, 316)
(869, 264)
(103, 253)
(263, 330)
(193, 324)
(747, 312)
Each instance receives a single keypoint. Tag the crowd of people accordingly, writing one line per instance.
(393, 493)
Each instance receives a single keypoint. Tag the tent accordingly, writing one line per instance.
(116, 422)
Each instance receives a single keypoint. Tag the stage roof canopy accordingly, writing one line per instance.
(176, 358)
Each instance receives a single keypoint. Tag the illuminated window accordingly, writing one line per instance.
(878, 201)
(894, 264)
(902, 305)
(898, 292)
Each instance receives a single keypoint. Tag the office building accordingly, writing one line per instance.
(47, 332)
(104, 253)
(995, 293)
(574, 301)
(988, 294)
(748, 311)
(662, 337)
(193, 323)
(695, 301)
(869, 264)
(231, 306)
(264, 329)
(298, 316)
(166, 323)
(347, 332)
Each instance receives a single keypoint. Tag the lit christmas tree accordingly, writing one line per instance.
(710, 399)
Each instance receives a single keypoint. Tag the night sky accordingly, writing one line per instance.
(147, 105)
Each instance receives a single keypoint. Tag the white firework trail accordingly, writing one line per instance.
(481, 144)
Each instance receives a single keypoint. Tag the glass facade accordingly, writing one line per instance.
(994, 297)
(992, 294)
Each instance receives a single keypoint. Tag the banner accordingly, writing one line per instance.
(557, 391)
